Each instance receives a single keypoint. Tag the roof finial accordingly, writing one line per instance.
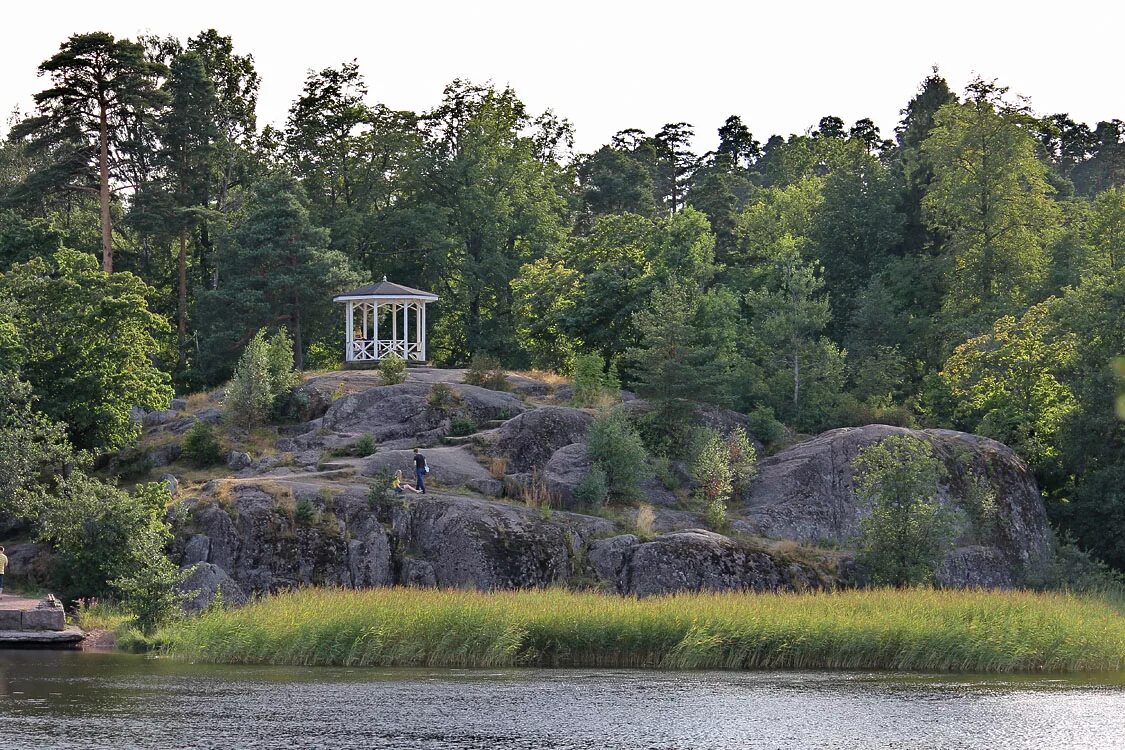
(384, 277)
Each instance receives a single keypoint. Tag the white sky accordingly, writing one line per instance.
(610, 65)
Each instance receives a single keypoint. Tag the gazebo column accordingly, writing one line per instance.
(350, 337)
(405, 332)
(423, 332)
(418, 329)
(375, 335)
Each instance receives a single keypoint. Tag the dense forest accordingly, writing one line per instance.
(965, 270)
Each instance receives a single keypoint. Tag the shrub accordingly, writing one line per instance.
(498, 467)
(765, 426)
(666, 473)
(264, 373)
(743, 459)
(907, 532)
(461, 425)
(392, 370)
(201, 447)
(593, 386)
(442, 397)
(304, 513)
(711, 469)
(486, 372)
(381, 490)
(616, 447)
(592, 491)
(715, 514)
(365, 446)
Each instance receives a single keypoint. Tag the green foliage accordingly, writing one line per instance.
(765, 426)
(201, 446)
(908, 531)
(364, 446)
(618, 451)
(304, 513)
(487, 372)
(711, 468)
(990, 196)
(323, 355)
(716, 514)
(461, 425)
(392, 370)
(263, 374)
(109, 542)
(442, 397)
(593, 490)
(593, 386)
(381, 488)
(665, 473)
(743, 459)
(87, 342)
(34, 451)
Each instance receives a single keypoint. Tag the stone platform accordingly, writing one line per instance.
(35, 622)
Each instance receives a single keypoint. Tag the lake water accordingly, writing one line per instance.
(83, 700)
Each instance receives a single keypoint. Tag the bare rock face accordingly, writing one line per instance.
(204, 583)
(449, 466)
(808, 493)
(353, 541)
(693, 560)
(403, 413)
(532, 438)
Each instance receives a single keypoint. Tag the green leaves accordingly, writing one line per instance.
(88, 340)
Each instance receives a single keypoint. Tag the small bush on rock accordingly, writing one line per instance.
(263, 374)
(365, 446)
(201, 447)
(765, 426)
(593, 386)
(461, 426)
(442, 397)
(392, 370)
(304, 513)
(618, 450)
(592, 491)
(486, 372)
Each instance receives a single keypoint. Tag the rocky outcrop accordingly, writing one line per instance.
(693, 560)
(400, 416)
(204, 583)
(807, 492)
(529, 440)
(449, 466)
(350, 539)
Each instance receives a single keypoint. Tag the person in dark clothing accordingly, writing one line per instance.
(420, 470)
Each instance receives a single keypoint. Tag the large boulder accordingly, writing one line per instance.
(693, 560)
(402, 413)
(204, 583)
(529, 440)
(808, 493)
(569, 465)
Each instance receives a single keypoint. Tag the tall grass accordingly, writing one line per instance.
(925, 630)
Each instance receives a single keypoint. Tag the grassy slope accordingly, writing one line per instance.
(924, 630)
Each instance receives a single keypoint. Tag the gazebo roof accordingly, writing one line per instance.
(385, 290)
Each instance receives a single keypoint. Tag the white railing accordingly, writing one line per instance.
(366, 350)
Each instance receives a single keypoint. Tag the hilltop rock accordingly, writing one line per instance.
(449, 466)
(693, 560)
(807, 492)
(402, 414)
(529, 440)
(203, 584)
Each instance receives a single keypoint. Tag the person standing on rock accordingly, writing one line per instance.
(3, 567)
(420, 470)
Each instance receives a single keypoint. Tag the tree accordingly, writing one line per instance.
(736, 144)
(102, 89)
(277, 271)
(34, 451)
(990, 196)
(88, 341)
(914, 164)
(673, 146)
(1007, 382)
(264, 373)
(1107, 233)
(908, 532)
(617, 450)
(685, 355)
(789, 311)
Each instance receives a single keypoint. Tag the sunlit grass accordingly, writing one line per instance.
(924, 630)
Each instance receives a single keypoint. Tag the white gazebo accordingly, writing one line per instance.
(379, 322)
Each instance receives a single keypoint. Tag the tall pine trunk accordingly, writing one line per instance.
(103, 190)
(181, 301)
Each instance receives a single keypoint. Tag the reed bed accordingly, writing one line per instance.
(919, 629)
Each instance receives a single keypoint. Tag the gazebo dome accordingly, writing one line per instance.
(389, 306)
